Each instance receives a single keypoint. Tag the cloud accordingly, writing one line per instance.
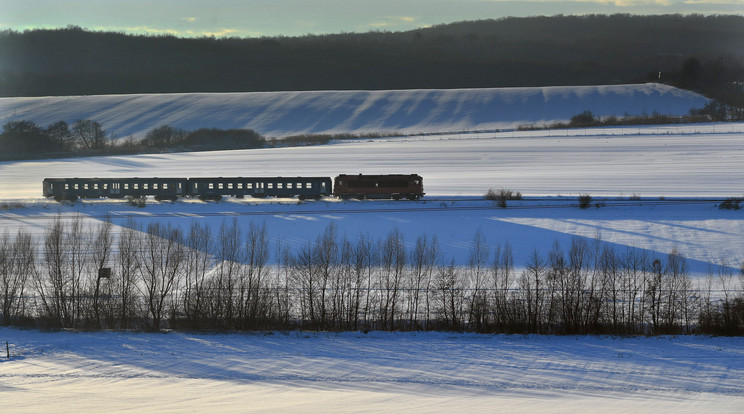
(141, 29)
(222, 32)
(392, 21)
(179, 33)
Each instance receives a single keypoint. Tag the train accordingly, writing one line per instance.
(344, 186)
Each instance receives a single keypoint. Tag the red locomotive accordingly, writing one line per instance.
(395, 186)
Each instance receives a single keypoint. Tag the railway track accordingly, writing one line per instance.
(428, 205)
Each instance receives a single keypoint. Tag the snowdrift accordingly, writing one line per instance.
(398, 111)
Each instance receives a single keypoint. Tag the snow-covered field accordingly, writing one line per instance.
(377, 372)
(395, 372)
(402, 111)
(699, 161)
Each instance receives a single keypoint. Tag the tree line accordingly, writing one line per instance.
(27, 140)
(160, 276)
(532, 51)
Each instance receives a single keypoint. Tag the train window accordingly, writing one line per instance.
(340, 182)
(240, 186)
(76, 187)
(85, 186)
(220, 186)
(95, 186)
(211, 186)
(144, 186)
(229, 186)
(105, 186)
(126, 186)
(196, 186)
(67, 186)
(299, 185)
(289, 186)
(165, 186)
(135, 186)
(249, 186)
(279, 185)
(271, 186)
(154, 186)
(308, 185)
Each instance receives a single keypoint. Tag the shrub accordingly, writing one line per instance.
(634, 197)
(136, 201)
(585, 200)
(502, 195)
(8, 206)
(583, 119)
(730, 204)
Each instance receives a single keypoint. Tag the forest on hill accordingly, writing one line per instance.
(701, 53)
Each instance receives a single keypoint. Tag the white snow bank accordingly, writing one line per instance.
(404, 111)
(377, 372)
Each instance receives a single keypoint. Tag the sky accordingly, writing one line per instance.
(256, 18)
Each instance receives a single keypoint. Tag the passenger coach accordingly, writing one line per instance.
(74, 188)
(302, 187)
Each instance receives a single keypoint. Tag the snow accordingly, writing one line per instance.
(398, 111)
(374, 372)
(698, 230)
(698, 162)
(689, 165)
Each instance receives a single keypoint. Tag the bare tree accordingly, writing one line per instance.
(327, 256)
(254, 302)
(392, 261)
(306, 278)
(654, 295)
(60, 286)
(676, 286)
(77, 261)
(89, 134)
(229, 255)
(60, 132)
(17, 264)
(161, 263)
(634, 263)
(450, 299)
(477, 272)
(127, 267)
(532, 284)
(423, 260)
(198, 262)
(284, 286)
(503, 266)
(101, 251)
(366, 260)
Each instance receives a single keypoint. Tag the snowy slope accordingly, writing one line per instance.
(377, 373)
(401, 111)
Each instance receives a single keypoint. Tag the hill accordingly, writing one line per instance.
(510, 52)
(396, 111)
